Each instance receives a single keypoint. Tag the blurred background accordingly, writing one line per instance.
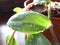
(6, 8)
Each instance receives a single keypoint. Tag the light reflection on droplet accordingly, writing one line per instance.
(31, 25)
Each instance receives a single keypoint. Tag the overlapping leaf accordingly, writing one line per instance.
(37, 39)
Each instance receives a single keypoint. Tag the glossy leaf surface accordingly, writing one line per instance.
(29, 22)
(37, 39)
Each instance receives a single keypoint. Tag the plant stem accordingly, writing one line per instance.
(51, 28)
(54, 36)
(11, 37)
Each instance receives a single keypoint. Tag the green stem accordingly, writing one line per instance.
(51, 28)
(11, 37)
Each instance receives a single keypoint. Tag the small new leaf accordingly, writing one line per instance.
(13, 41)
(17, 9)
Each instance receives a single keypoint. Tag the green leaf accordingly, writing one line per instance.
(29, 22)
(36, 2)
(48, 1)
(37, 39)
(57, 5)
(17, 9)
(13, 41)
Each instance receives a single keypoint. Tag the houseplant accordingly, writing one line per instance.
(25, 22)
(54, 18)
(27, 18)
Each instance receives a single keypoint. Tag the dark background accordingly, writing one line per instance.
(7, 6)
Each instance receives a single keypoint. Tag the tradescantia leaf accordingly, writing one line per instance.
(37, 39)
(13, 41)
(29, 22)
(40, 1)
(57, 5)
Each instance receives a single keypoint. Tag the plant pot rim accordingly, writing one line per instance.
(55, 18)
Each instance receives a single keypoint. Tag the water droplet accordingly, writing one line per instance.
(32, 37)
(31, 25)
(30, 40)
